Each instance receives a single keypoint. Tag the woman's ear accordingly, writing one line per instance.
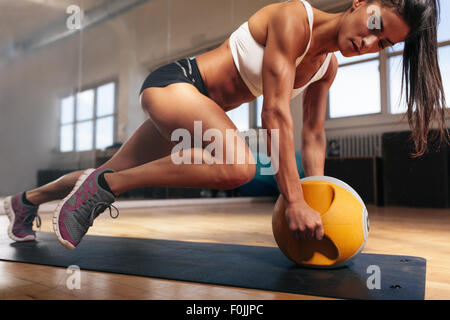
(356, 4)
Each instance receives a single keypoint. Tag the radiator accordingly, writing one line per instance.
(364, 145)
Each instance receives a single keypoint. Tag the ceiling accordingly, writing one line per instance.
(22, 21)
(20, 17)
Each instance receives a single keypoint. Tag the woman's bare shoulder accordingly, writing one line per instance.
(292, 13)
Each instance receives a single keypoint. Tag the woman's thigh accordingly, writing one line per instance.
(182, 106)
(145, 145)
(173, 107)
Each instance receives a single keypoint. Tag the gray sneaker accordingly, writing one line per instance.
(76, 213)
(21, 217)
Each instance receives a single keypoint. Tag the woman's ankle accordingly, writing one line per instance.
(106, 182)
(29, 198)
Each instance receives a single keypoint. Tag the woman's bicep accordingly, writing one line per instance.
(280, 54)
(278, 78)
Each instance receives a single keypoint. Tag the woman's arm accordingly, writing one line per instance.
(314, 113)
(282, 49)
(287, 39)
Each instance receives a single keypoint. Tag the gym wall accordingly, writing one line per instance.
(124, 48)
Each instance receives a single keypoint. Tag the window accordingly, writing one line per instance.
(344, 60)
(398, 47)
(395, 79)
(259, 105)
(87, 119)
(362, 96)
(241, 117)
(398, 106)
(444, 23)
(444, 65)
(67, 119)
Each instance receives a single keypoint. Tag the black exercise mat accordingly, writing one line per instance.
(254, 267)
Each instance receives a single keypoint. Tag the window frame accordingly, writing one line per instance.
(74, 93)
(385, 117)
(352, 63)
(399, 53)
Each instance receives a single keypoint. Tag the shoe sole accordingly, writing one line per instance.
(7, 203)
(57, 212)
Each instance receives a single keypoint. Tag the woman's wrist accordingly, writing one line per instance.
(294, 195)
(299, 202)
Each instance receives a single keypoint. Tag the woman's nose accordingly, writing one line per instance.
(369, 43)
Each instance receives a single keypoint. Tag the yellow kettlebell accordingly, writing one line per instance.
(345, 221)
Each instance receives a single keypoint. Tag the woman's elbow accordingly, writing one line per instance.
(276, 118)
(316, 134)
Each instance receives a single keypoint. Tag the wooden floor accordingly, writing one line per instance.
(403, 231)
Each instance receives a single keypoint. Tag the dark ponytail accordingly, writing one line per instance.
(421, 79)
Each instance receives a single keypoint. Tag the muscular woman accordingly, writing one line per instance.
(282, 50)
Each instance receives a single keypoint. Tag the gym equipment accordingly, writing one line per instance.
(265, 185)
(345, 222)
(364, 174)
(415, 182)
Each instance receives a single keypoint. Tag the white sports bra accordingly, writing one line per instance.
(248, 57)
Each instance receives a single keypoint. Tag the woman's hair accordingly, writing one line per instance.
(421, 78)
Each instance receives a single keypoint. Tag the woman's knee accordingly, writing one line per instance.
(237, 174)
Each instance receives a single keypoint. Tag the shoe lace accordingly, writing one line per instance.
(30, 218)
(103, 206)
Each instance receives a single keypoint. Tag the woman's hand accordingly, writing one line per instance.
(304, 222)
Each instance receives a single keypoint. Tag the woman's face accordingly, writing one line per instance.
(369, 28)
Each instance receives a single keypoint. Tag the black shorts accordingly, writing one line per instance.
(184, 70)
